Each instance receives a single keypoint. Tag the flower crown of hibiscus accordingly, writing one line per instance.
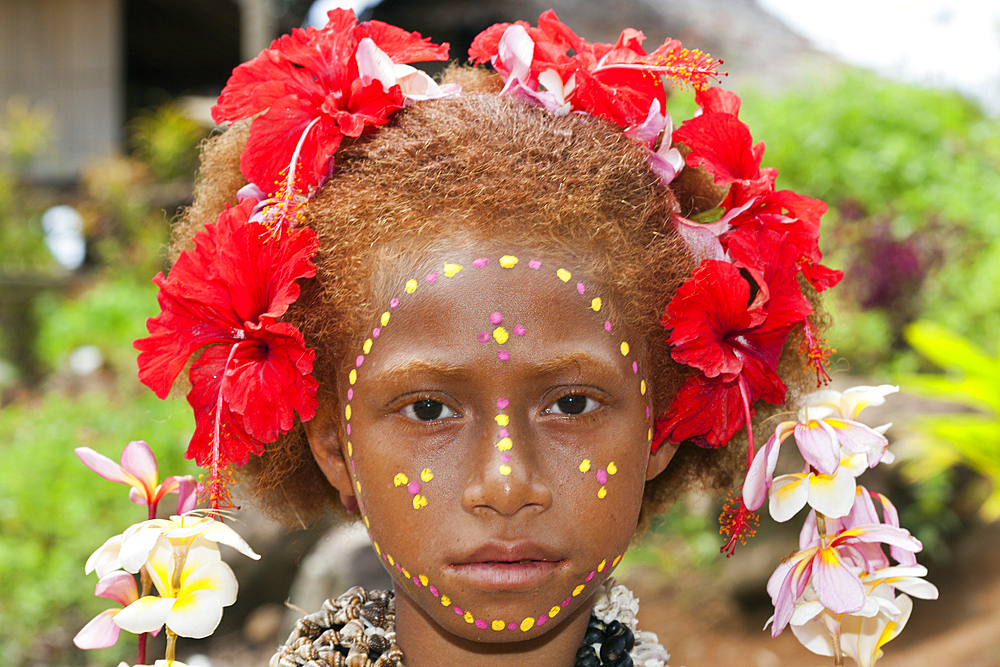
(310, 89)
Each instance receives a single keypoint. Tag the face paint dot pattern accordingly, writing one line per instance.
(504, 444)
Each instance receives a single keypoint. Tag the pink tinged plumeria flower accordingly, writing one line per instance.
(665, 161)
(101, 631)
(849, 403)
(831, 566)
(831, 495)
(105, 559)
(191, 600)
(139, 540)
(138, 470)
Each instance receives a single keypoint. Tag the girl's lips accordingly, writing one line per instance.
(500, 566)
(501, 575)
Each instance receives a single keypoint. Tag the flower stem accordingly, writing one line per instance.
(172, 644)
(147, 584)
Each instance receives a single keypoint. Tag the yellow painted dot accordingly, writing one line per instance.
(554, 611)
(469, 618)
(426, 475)
(411, 286)
(389, 558)
(564, 275)
(445, 601)
(498, 625)
(400, 479)
(347, 412)
(624, 348)
(602, 493)
(368, 524)
(527, 624)
(642, 387)
(419, 501)
(578, 589)
(423, 579)
(378, 549)
(616, 561)
(500, 335)
(385, 318)
(508, 261)
(367, 347)
(350, 448)
(353, 375)
(502, 420)
(595, 304)
(585, 466)
(505, 469)
(649, 436)
(405, 573)
(612, 468)
(600, 568)
(505, 444)
(358, 485)
(451, 269)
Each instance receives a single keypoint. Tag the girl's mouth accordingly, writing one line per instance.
(498, 566)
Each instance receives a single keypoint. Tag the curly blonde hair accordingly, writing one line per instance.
(470, 168)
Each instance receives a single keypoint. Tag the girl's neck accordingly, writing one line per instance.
(427, 644)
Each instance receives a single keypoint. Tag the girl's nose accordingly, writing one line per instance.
(506, 478)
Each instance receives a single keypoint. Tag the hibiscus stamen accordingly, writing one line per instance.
(285, 209)
(216, 492)
(683, 69)
(817, 352)
(737, 523)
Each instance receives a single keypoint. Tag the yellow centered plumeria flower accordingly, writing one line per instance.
(194, 585)
(139, 540)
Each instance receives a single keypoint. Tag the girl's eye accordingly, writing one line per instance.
(573, 404)
(427, 410)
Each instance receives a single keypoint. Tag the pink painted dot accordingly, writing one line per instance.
(534, 264)
(590, 576)
(458, 610)
(519, 331)
(512, 626)
(481, 262)
(399, 567)
(417, 582)
(481, 624)
(503, 433)
(647, 412)
(385, 556)
(360, 360)
(580, 288)
(541, 620)
(350, 394)
(354, 466)
(503, 355)
(348, 429)
(602, 476)
(431, 278)
(433, 591)
(607, 325)
(376, 332)
(393, 302)
(496, 318)
(635, 366)
(482, 336)
(566, 602)
(505, 457)
(502, 403)
(414, 487)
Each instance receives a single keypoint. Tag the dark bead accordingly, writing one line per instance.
(589, 661)
(629, 639)
(626, 661)
(593, 636)
(615, 628)
(595, 623)
(612, 649)
(584, 651)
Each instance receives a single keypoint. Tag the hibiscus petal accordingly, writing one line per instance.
(144, 615)
(196, 615)
(100, 632)
(788, 495)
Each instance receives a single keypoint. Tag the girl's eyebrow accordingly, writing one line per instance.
(440, 368)
(404, 370)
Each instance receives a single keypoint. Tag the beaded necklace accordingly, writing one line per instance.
(358, 629)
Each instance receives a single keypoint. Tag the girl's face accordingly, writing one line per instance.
(496, 438)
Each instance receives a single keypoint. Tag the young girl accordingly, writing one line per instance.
(513, 321)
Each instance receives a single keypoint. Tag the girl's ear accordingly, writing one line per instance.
(325, 443)
(659, 459)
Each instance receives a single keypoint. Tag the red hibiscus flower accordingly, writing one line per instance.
(618, 82)
(228, 293)
(312, 93)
